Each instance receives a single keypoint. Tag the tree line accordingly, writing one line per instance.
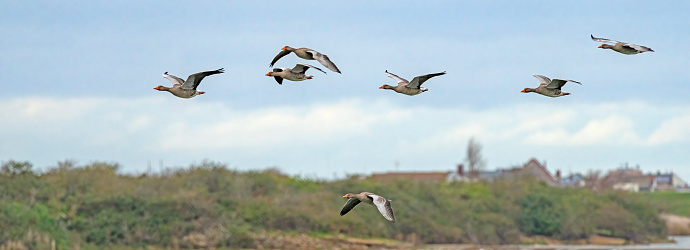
(94, 204)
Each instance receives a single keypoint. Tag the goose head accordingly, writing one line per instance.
(527, 90)
(386, 86)
(161, 88)
(605, 46)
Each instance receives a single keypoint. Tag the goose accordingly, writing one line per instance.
(295, 74)
(383, 204)
(409, 88)
(621, 47)
(186, 89)
(548, 87)
(308, 54)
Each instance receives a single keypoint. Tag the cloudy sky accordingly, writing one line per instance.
(78, 78)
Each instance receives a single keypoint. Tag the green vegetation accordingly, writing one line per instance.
(669, 202)
(209, 205)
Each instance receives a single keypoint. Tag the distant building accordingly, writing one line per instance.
(532, 168)
(669, 181)
(574, 180)
(632, 179)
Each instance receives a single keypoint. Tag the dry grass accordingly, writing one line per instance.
(677, 225)
(608, 241)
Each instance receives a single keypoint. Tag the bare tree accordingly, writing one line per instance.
(593, 180)
(474, 160)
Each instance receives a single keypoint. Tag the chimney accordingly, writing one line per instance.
(558, 175)
(461, 172)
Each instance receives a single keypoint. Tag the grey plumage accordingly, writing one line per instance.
(381, 203)
(548, 87)
(186, 89)
(409, 87)
(308, 54)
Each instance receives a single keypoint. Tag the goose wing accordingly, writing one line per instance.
(324, 60)
(543, 80)
(558, 83)
(417, 81)
(173, 79)
(384, 206)
(194, 79)
(639, 48)
(280, 55)
(349, 205)
(400, 80)
(278, 78)
(603, 40)
(300, 68)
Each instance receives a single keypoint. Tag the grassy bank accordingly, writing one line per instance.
(209, 205)
(669, 202)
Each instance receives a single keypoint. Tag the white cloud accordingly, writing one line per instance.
(339, 134)
(672, 130)
(610, 130)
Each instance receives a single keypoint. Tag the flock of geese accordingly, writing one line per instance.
(547, 87)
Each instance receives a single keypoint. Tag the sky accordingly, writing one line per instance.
(78, 78)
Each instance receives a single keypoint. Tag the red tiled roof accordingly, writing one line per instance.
(418, 176)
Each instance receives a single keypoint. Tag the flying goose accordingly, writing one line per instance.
(186, 89)
(308, 54)
(621, 47)
(295, 74)
(409, 88)
(383, 204)
(548, 87)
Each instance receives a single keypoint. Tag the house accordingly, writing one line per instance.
(574, 180)
(625, 174)
(532, 168)
(632, 179)
(669, 182)
(636, 183)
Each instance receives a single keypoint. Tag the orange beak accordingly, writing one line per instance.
(523, 91)
(268, 74)
(284, 48)
(157, 88)
(344, 196)
(382, 86)
(601, 46)
(201, 92)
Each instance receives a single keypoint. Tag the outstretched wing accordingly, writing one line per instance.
(398, 79)
(543, 80)
(558, 83)
(603, 40)
(300, 68)
(194, 79)
(417, 81)
(173, 79)
(351, 203)
(384, 207)
(639, 48)
(280, 55)
(324, 60)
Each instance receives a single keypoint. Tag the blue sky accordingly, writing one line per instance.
(78, 82)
